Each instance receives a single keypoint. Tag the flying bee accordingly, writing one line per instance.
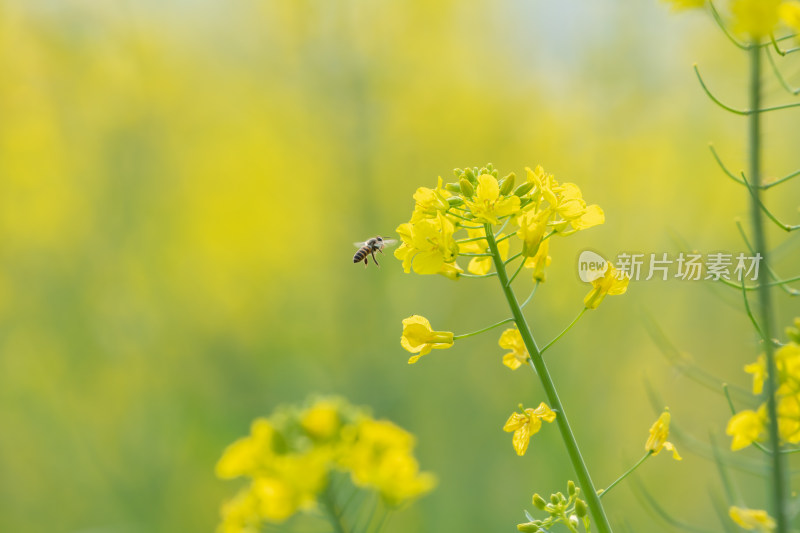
(375, 244)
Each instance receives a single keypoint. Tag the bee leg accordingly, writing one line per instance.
(366, 261)
(374, 259)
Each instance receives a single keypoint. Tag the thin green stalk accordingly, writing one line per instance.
(626, 474)
(465, 335)
(564, 332)
(584, 479)
(779, 483)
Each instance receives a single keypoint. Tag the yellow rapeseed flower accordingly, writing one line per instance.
(539, 261)
(419, 337)
(746, 427)
(277, 500)
(756, 18)
(482, 265)
(612, 282)
(789, 12)
(247, 455)
(512, 340)
(429, 202)
(789, 418)
(759, 371)
(752, 519)
(427, 245)
(321, 420)
(241, 514)
(488, 204)
(532, 226)
(659, 433)
(526, 424)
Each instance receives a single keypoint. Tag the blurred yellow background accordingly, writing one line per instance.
(180, 187)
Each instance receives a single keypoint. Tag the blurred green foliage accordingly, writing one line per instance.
(180, 185)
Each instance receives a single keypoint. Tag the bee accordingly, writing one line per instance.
(375, 244)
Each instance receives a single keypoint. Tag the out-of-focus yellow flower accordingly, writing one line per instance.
(488, 205)
(512, 340)
(679, 5)
(322, 420)
(612, 282)
(277, 500)
(746, 427)
(427, 245)
(429, 202)
(756, 18)
(381, 458)
(544, 183)
(659, 433)
(241, 514)
(526, 424)
(789, 13)
(539, 261)
(789, 418)
(759, 371)
(752, 519)
(247, 455)
(419, 338)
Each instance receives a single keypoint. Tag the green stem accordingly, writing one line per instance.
(626, 474)
(546, 346)
(779, 482)
(584, 479)
(465, 335)
(333, 511)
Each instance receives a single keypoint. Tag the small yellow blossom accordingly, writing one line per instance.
(659, 433)
(759, 371)
(247, 455)
(752, 519)
(488, 205)
(539, 261)
(746, 427)
(427, 245)
(381, 458)
(322, 420)
(512, 340)
(789, 12)
(612, 282)
(532, 226)
(277, 500)
(241, 514)
(429, 202)
(419, 338)
(789, 418)
(679, 5)
(526, 424)
(756, 18)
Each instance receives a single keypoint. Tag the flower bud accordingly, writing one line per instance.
(580, 508)
(470, 175)
(573, 520)
(466, 187)
(571, 487)
(457, 172)
(529, 527)
(453, 187)
(554, 499)
(507, 184)
(523, 189)
(455, 200)
(539, 502)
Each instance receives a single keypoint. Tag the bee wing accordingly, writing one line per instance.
(389, 242)
(359, 244)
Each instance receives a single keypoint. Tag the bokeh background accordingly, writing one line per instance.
(180, 186)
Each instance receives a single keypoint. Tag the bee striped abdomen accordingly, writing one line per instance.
(361, 254)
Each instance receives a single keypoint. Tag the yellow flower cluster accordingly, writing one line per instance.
(526, 424)
(752, 519)
(754, 18)
(569, 510)
(537, 208)
(290, 456)
(749, 426)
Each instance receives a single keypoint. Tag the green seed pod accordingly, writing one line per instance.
(523, 189)
(453, 187)
(507, 184)
(580, 508)
(571, 487)
(455, 200)
(466, 188)
(539, 502)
